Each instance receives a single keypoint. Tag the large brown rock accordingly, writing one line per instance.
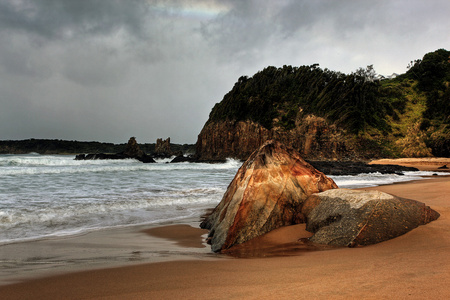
(344, 217)
(267, 192)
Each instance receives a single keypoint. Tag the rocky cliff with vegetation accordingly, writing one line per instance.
(330, 115)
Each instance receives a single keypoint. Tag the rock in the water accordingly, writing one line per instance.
(357, 167)
(132, 148)
(346, 217)
(162, 148)
(93, 156)
(181, 158)
(267, 192)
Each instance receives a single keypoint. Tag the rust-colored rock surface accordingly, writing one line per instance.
(267, 192)
(344, 217)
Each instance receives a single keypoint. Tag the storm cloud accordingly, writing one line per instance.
(108, 70)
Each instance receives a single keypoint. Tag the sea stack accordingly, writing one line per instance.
(132, 150)
(267, 192)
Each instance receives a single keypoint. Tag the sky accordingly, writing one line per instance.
(106, 70)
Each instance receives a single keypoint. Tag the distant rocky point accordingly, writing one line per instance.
(133, 151)
(55, 146)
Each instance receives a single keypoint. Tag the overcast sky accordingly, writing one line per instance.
(104, 70)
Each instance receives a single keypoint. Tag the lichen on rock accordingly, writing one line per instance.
(345, 217)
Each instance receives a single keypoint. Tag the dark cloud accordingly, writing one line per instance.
(54, 19)
(251, 29)
(108, 70)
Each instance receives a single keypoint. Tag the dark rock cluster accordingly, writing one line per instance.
(356, 167)
(132, 150)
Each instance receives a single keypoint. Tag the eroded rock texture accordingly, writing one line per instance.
(267, 192)
(312, 136)
(346, 217)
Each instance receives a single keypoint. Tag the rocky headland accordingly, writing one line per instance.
(328, 115)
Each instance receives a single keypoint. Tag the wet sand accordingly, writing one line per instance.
(102, 249)
(423, 164)
(413, 266)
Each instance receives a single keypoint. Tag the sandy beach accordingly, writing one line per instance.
(276, 266)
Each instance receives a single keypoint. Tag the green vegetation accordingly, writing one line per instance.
(348, 100)
(411, 110)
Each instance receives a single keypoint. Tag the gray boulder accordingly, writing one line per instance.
(344, 217)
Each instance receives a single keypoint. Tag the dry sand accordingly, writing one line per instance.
(413, 266)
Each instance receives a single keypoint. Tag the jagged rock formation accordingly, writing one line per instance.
(266, 193)
(344, 217)
(162, 148)
(132, 150)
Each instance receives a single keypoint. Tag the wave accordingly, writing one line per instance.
(376, 179)
(42, 164)
(31, 219)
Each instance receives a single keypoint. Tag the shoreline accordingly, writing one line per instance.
(423, 164)
(414, 265)
(104, 248)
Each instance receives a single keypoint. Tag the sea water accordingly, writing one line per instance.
(55, 195)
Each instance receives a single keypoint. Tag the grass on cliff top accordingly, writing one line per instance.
(414, 104)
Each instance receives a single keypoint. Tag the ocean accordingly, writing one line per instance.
(45, 196)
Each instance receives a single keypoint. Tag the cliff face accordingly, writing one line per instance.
(312, 136)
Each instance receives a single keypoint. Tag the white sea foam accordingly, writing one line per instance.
(375, 179)
(43, 195)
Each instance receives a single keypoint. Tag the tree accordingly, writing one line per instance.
(367, 74)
